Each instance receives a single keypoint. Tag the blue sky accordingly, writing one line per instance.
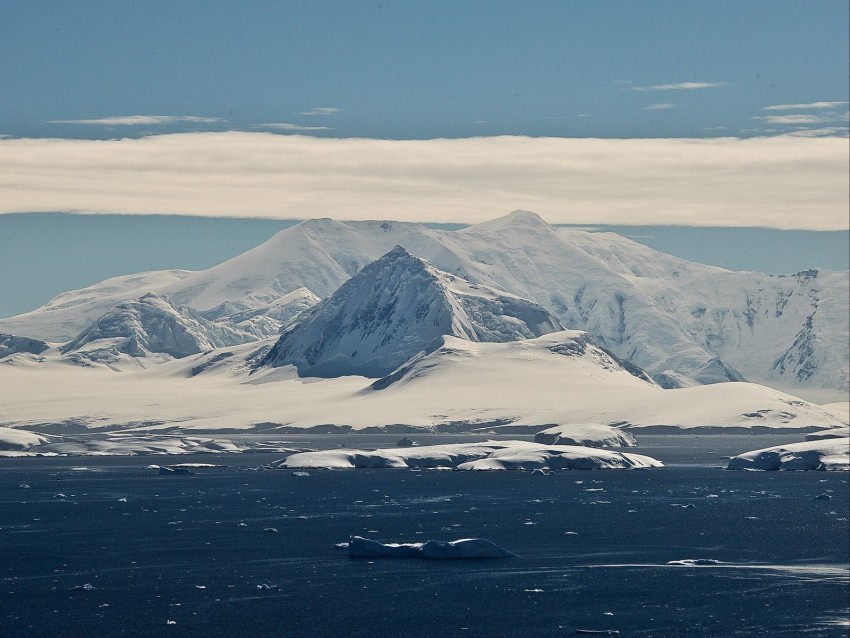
(722, 126)
(417, 70)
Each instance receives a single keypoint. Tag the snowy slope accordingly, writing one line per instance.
(827, 454)
(152, 324)
(490, 455)
(12, 344)
(559, 379)
(395, 308)
(63, 317)
(685, 323)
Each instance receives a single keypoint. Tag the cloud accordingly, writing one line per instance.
(286, 126)
(777, 182)
(795, 119)
(660, 106)
(827, 131)
(142, 120)
(321, 110)
(681, 86)
(802, 107)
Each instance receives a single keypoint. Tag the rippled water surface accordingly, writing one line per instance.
(196, 555)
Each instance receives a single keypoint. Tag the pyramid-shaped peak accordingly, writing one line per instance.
(397, 258)
(395, 308)
(396, 253)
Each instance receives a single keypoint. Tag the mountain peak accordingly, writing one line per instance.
(394, 309)
(397, 252)
(517, 219)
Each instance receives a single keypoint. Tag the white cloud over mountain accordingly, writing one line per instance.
(776, 182)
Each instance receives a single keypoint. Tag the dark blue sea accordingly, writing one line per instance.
(96, 547)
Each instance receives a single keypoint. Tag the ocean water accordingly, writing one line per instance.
(107, 547)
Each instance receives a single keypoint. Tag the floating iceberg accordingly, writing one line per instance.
(359, 547)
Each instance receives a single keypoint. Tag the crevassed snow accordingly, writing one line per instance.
(823, 454)
(153, 324)
(491, 455)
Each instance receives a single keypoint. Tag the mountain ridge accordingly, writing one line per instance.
(685, 323)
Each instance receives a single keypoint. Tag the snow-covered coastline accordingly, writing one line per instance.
(490, 455)
(831, 454)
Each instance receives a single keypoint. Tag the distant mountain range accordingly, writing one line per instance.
(516, 277)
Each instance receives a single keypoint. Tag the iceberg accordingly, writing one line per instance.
(359, 547)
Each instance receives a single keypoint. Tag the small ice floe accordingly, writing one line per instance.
(343, 545)
(165, 470)
(270, 530)
(200, 586)
(83, 587)
(300, 474)
(359, 547)
(242, 525)
(695, 562)
(60, 495)
(536, 590)
(597, 632)
(123, 499)
(266, 586)
(170, 622)
(24, 486)
(823, 497)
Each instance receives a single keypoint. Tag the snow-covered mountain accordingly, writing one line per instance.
(12, 344)
(683, 322)
(395, 308)
(66, 315)
(152, 324)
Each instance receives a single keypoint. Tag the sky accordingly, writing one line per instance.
(695, 115)
(423, 70)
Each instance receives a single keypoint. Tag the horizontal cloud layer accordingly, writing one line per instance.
(777, 182)
(142, 120)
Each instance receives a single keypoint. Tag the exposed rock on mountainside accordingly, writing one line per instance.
(685, 323)
(395, 308)
(153, 324)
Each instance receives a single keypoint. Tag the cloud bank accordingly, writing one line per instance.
(142, 120)
(803, 107)
(681, 86)
(775, 182)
